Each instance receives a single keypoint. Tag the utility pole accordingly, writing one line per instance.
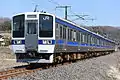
(66, 10)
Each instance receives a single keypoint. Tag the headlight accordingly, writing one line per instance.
(47, 41)
(17, 42)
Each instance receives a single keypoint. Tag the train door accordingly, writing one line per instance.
(31, 37)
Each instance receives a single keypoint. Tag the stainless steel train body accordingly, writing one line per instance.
(37, 37)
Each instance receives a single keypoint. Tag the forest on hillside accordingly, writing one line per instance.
(5, 24)
(110, 32)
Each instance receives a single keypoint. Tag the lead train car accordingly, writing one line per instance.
(44, 38)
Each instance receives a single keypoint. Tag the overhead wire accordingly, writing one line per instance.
(71, 12)
(56, 3)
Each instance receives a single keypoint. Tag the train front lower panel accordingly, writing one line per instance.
(46, 46)
(18, 46)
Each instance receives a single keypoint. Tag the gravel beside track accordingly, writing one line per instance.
(7, 59)
(100, 68)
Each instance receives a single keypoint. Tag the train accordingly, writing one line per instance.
(40, 37)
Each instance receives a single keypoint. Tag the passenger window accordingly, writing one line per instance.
(61, 31)
(80, 37)
(77, 38)
(88, 39)
(101, 42)
(57, 30)
(56, 25)
(83, 38)
(68, 34)
(93, 40)
(64, 32)
(74, 35)
(98, 41)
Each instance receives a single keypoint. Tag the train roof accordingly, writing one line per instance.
(32, 13)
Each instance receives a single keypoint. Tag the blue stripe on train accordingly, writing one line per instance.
(60, 41)
(70, 43)
(23, 42)
(41, 42)
(14, 42)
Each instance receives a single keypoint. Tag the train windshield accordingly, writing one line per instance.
(18, 26)
(45, 25)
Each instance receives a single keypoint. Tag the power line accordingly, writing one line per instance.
(66, 10)
(82, 17)
(79, 16)
(59, 6)
(54, 2)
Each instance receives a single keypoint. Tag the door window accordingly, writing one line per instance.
(31, 28)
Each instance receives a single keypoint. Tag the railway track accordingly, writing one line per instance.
(4, 75)
(27, 69)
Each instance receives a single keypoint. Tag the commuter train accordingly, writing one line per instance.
(45, 38)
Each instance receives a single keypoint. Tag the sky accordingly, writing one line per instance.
(104, 12)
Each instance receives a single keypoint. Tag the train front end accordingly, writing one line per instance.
(33, 37)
